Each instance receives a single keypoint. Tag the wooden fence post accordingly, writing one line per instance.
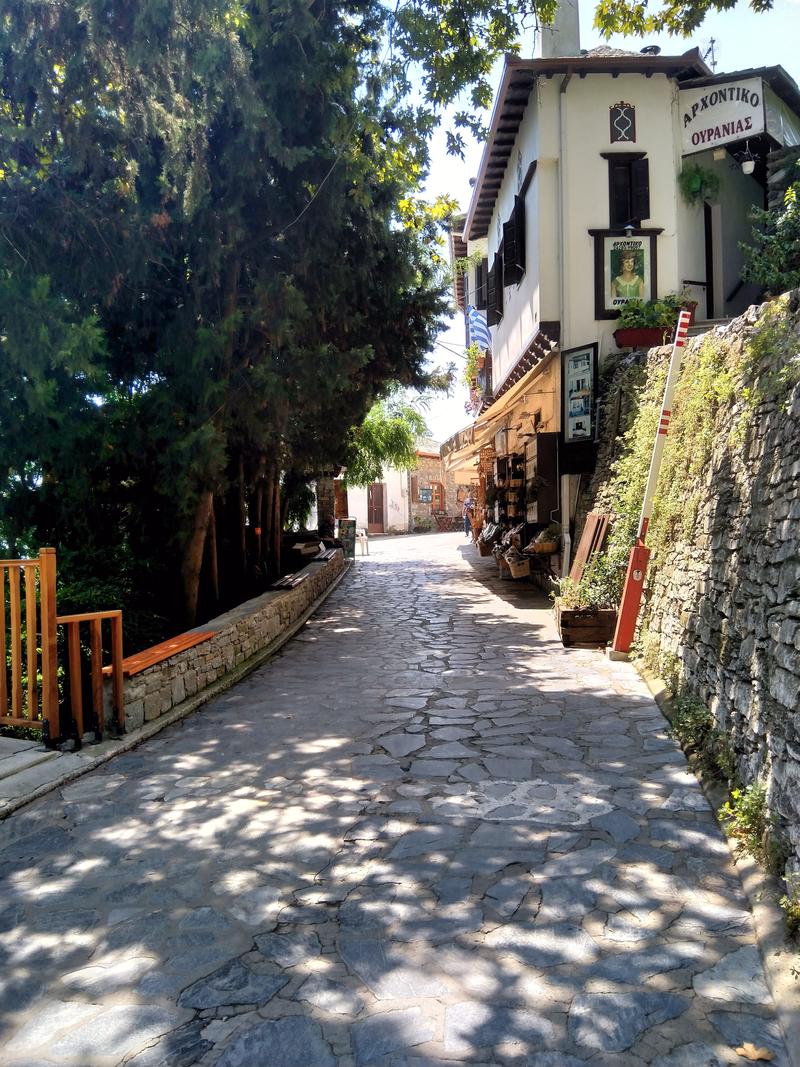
(47, 600)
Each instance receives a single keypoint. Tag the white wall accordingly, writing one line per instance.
(738, 194)
(395, 500)
(521, 314)
(566, 132)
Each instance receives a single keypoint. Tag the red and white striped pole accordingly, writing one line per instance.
(640, 555)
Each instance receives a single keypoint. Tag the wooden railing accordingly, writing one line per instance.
(29, 608)
(75, 673)
(29, 681)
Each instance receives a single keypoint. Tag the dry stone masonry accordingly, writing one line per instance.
(726, 600)
(240, 634)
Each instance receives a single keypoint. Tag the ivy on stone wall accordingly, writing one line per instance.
(720, 619)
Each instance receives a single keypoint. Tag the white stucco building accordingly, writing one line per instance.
(606, 175)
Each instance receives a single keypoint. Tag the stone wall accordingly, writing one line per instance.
(241, 634)
(724, 601)
(430, 469)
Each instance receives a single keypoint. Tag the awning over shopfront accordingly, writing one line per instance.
(462, 448)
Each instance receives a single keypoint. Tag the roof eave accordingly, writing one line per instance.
(568, 65)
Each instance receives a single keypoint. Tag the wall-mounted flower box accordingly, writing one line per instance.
(642, 336)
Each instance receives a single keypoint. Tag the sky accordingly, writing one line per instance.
(742, 39)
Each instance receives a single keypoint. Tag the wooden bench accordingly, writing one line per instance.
(148, 657)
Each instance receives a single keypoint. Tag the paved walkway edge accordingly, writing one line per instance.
(181, 711)
(778, 953)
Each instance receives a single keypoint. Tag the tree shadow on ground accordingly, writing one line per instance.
(288, 878)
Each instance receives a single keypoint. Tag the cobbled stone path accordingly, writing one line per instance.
(424, 834)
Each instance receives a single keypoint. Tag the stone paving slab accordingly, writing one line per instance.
(424, 834)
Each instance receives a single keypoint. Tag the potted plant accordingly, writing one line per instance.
(586, 611)
(698, 183)
(644, 323)
(476, 358)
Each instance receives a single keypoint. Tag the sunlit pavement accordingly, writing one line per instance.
(423, 834)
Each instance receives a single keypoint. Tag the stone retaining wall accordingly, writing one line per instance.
(241, 634)
(725, 602)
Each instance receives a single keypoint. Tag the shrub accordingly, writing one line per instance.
(773, 260)
(695, 728)
(750, 821)
(790, 902)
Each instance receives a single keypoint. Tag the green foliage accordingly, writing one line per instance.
(600, 586)
(662, 313)
(475, 357)
(790, 902)
(708, 385)
(213, 262)
(771, 359)
(698, 183)
(387, 437)
(645, 314)
(773, 260)
(693, 725)
(679, 18)
(748, 819)
(664, 665)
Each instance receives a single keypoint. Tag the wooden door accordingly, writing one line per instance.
(340, 500)
(437, 497)
(375, 508)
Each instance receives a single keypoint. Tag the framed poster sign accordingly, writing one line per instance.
(578, 392)
(347, 535)
(624, 269)
(425, 496)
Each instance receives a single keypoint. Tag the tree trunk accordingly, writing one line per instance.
(259, 527)
(213, 553)
(193, 556)
(326, 506)
(277, 525)
(242, 518)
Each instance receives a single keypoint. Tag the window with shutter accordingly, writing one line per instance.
(640, 189)
(628, 188)
(514, 244)
(481, 271)
(492, 318)
(414, 489)
(499, 283)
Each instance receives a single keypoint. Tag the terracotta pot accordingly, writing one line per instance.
(642, 336)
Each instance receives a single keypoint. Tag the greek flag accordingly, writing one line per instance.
(478, 329)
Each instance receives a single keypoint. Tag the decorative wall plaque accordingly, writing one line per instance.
(622, 118)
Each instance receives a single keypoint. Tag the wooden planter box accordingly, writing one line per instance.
(642, 337)
(585, 626)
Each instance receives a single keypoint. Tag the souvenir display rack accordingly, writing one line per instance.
(521, 499)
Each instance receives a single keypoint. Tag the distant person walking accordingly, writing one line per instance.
(469, 505)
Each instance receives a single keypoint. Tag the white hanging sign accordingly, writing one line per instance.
(718, 114)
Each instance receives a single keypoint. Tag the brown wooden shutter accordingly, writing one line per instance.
(414, 489)
(640, 189)
(481, 272)
(619, 192)
(514, 244)
(492, 318)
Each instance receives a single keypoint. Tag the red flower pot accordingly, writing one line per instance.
(642, 336)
